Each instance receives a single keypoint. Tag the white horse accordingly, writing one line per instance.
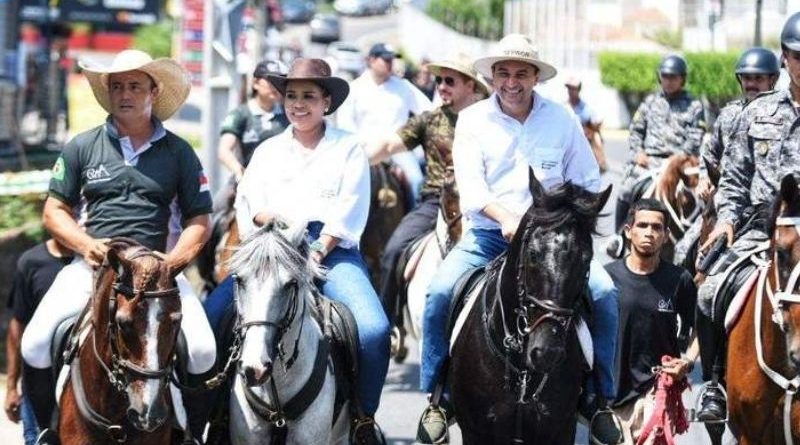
(423, 265)
(283, 349)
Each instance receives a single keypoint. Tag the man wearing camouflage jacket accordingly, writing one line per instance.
(763, 149)
(667, 122)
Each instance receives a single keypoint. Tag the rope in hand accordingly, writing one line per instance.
(669, 415)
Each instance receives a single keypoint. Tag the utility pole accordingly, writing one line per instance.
(757, 38)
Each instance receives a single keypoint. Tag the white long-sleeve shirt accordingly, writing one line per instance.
(373, 110)
(329, 184)
(493, 151)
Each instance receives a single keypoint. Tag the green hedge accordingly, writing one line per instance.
(477, 18)
(22, 211)
(155, 39)
(634, 75)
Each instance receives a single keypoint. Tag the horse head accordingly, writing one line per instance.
(675, 187)
(143, 313)
(274, 281)
(785, 234)
(553, 249)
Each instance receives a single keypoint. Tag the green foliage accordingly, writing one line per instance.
(669, 38)
(22, 211)
(477, 18)
(634, 75)
(155, 39)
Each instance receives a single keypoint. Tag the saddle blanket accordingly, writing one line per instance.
(584, 336)
(739, 300)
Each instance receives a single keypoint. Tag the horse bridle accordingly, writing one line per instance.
(282, 326)
(123, 369)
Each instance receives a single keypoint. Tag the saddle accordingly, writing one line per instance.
(737, 270)
(640, 188)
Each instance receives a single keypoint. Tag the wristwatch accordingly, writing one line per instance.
(317, 246)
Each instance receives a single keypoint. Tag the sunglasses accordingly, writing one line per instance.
(449, 81)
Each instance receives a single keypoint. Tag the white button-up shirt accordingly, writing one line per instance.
(373, 110)
(493, 151)
(329, 184)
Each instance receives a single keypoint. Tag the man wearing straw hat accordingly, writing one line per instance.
(129, 170)
(496, 142)
(459, 86)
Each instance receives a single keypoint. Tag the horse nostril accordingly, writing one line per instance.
(255, 375)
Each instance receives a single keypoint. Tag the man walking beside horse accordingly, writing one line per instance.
(128, 170)
(497, 142)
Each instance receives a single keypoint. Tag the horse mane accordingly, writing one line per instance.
(266, 249)
(557, 205)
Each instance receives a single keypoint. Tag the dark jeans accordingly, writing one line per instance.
(419, 221)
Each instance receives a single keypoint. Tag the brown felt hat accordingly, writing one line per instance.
(317, 71)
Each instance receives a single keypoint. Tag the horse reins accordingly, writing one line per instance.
(777, 300)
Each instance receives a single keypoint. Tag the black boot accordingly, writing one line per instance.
(713, 406)
(366, 431)
(197, 403)
(39, 385)
(604, 426)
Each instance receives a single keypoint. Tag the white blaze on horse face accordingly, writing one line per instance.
(150, 392)
(261, 302)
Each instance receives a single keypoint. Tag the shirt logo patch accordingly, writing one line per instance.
(203, 182)
(97, 174)
(58, 169)
(665, 306)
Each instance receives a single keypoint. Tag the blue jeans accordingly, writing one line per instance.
(30, 429)
(477, 248)
(347, 281)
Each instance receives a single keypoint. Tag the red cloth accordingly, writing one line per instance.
(669, 415)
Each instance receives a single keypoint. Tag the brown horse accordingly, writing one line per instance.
(386, 208)
(674, 187)
(117, 389)
(764, 345)
(212, 260)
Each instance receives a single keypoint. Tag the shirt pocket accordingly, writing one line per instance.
(766, 140)
(327, 187)
(548, 164)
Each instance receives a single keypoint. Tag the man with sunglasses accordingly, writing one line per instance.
(668, 122)
(459, 86)
(379, 103)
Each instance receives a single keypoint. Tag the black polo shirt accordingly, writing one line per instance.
(251, 125)
(127, 200)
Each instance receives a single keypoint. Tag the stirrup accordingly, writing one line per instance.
(698, 404)
(617, 424)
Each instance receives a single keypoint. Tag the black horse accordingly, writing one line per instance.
(516, 368)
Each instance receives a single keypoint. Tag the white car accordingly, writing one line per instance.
(362, 7)
(348, 57)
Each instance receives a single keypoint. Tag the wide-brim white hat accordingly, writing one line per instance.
(171, 78)
(462, 64)
(515, 47)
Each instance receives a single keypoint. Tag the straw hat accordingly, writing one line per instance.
(317, 71)
(464, 65)
(170, 77)
(515, 47)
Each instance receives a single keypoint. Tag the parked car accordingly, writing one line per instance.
(362, 7)
(325, 28)
(347, 57)
(298, 11)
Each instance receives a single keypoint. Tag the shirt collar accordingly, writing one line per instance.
(538, 103)
(130, 155)
(158, 129)
(256, 109)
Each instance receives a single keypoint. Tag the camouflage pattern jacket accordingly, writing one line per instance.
(715, 147)
(763, 149)
(662, 127)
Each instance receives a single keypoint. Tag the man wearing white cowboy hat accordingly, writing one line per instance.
(128, 170)
(496, 142)
(459, 86)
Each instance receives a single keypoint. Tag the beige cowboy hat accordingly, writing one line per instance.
(171, 78)
(515, 47)
(317, 71)
(464, 65)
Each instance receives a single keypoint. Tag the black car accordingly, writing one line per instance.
(325, 28)
(298, 11)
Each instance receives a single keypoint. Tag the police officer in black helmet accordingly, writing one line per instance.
(668, 122)
(761, 150)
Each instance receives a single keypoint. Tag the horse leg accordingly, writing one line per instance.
(715, 432)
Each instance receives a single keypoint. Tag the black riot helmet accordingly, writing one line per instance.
(672, 64)
(758, 61)
(790, 36)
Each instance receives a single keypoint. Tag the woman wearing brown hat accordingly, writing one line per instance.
(315, 172)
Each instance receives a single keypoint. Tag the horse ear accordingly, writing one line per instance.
(537, 191)
(789, 191)
(116, 259)
(601, 199)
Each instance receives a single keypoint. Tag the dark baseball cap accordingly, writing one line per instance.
(267, 67)
(383, 51)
